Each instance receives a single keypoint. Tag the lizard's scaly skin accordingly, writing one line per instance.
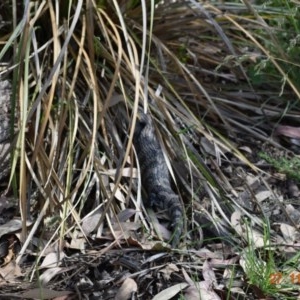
(5, 111)
(155, 175)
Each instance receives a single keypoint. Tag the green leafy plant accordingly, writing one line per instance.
(288, 166)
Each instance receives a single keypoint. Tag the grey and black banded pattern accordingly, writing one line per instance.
(5, 113)
(156, 177)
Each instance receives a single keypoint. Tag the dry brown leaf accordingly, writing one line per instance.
(49, 274)
(293, 189)
(162, 232)
(65, 297)
(257, 238)
(126, 226)
(78, 241)
(126, 290)
(43, 293)
(168, 270)
(186, 276)
(289, 131)
(126, 172)
(148, 245)
(293, 213)
(90, 222)
(224, 262)
(155, 257)
(52, 260)
(12, 226)
(212, 148)
(200, 290)
(170, 292)
(263, 195)
(246, 149)
(117, 235)
(236, 222)
(118, 194)
(123, 230)
(206, 253)
(208, 146)
(244, 230)
(208, 273)
(10, 272)
(126, 214)
(289, 233)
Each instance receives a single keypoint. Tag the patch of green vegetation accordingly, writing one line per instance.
(265, 271)
(182, 54)
(288, 166)
(260, 272)
(279, 41)
(258, 262)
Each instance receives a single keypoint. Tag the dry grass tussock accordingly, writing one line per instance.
(215, 76)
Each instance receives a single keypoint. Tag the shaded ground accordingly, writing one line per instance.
(135, 267)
